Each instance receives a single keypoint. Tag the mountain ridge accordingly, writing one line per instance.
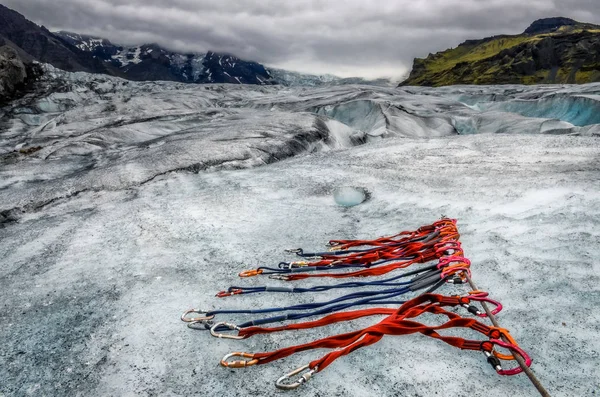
(153, 62)
(127, 57)
(67, 51)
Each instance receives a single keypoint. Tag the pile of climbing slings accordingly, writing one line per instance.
(437, 246)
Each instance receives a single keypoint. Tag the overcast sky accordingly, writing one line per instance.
(347, 38)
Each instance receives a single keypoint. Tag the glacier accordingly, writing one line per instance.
(122, 204)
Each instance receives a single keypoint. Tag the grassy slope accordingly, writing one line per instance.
(473, 53)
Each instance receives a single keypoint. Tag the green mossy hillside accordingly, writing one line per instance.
(566, 54)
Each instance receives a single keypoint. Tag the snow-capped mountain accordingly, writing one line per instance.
(100, 48)
(152, 62)
(76, 52)
(84, 42)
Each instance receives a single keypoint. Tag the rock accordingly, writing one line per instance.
(549, 25)
(13, 72)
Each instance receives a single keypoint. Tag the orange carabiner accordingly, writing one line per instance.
(239, 363)
(504, 332)
(250, 273)
(478, 292)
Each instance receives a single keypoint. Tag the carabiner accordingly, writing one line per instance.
(235, 291)
(214, 333)
(482, 297)
(195, 319)
(201, 325)
(518, 350)
(284, 265)
(303, 379)
(449, 260)
(506, 335)
(238, 363)
(454, 270)
(250, 273)
(443, 248)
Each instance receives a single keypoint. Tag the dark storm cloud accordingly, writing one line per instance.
(369, 38)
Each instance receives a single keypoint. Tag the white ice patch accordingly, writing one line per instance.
(349, 196)
(342, 136)
(128, 56)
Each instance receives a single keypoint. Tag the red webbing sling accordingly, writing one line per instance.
(396, 323)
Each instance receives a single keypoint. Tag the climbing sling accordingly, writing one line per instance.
(367, 258)
(396, 323)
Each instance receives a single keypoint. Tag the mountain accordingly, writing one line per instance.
(33, 42)
(148, 62)
(74, 52)
(550, 50)
(152, 62)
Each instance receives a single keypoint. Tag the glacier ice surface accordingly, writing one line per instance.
(144, 199)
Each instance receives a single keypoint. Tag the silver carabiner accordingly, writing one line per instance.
(185, 318)
(225, 336)
(303, 379)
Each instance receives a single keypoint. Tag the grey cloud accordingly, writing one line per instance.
(368, 38)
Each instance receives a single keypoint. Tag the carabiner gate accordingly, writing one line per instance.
(201, 325)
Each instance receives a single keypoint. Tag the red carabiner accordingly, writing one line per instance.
(521, 352)
(446, 260)
(224, 294)
(483, 297)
